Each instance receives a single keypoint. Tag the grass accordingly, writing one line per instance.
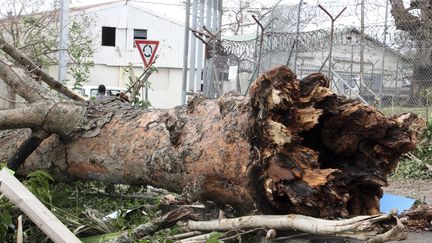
(414, 165)
(396, 110)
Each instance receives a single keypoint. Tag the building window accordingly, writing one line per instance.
(108, 36)
(139, 35)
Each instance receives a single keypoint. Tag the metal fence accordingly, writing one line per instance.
(395, 73)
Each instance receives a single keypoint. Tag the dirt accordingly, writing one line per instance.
(420, 190)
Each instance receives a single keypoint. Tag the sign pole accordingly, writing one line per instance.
(146, 91)
(185, 52)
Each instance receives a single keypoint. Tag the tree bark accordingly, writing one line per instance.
(290, 146)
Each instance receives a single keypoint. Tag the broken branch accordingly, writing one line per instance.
(26, 148)
(22, 84)
(34, 69)
(361, 227)
(155, 225)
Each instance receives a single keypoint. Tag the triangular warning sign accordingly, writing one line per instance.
(147, 50)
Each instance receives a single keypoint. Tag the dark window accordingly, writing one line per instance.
(113, 92)
(93, 92)
(139, 35)
(108, 36)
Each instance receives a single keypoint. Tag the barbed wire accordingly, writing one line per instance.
(392, 84)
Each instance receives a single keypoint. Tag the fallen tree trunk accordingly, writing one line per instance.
(290, 146)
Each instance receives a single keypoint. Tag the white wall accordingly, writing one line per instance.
(166, 94)
(126, 18)
(165, 88)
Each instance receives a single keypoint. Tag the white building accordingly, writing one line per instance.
(116, 26)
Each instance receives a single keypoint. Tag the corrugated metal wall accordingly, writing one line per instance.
(126, 18)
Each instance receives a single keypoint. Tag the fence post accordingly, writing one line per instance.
(331, 36)
(383, 53)
(185, 53)
(297, 35)
(362, 45)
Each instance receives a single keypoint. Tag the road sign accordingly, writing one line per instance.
(147, 50)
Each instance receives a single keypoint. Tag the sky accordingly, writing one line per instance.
(375, 10)
(173, 8)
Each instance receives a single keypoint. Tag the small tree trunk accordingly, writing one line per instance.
(422, 80)
(290, 146)
(419, 27)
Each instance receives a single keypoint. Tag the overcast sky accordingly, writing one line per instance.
(172, 8)
(375, 10)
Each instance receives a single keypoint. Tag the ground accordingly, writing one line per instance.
(417, 189)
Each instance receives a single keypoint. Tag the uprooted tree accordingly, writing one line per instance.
(289, 146)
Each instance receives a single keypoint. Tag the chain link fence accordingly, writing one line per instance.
(395, 73)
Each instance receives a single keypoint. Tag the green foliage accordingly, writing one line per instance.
(129, 70)
(80, 50)
(35, 32)
(3, 165)
(38, 182)
(5, 219)
(100, 238)
(81, 206)
(38, 36)
(415, 164)
(142, 103)
(215, 237)
(160, 236)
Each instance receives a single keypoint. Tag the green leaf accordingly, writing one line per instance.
(214, 237)
(100, 238)
(6, 218)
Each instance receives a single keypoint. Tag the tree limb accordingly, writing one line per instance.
(26, 148)
(360, 227)
(52, 117)
(403, 19)
(44, 118)
(22, 84)
(155, 225)
(31, 116)
(141, 82)
(34, 69)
